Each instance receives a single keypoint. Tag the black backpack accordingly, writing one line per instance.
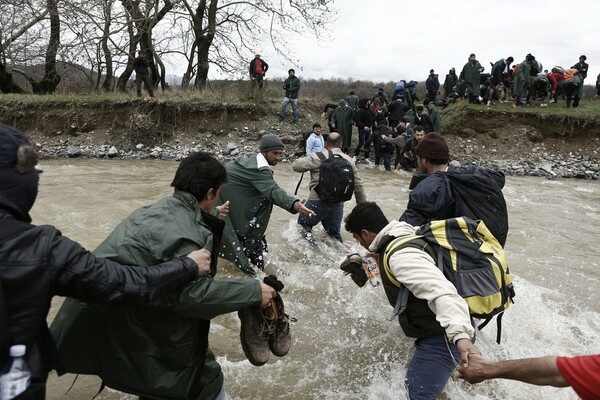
(336, 178)
(478, 195)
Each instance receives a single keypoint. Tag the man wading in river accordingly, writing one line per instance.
(161, 351)
(441, 190)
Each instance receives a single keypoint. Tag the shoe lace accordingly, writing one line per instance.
(269, 324)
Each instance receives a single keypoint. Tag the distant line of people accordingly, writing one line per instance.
(519, 83)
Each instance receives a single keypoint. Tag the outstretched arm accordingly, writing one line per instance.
(537, 371)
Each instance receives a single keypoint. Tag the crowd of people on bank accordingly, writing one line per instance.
(161, 350)
(390, 126)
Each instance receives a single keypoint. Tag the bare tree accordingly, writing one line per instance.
(21, 29)
(141, 22)
(226, 31)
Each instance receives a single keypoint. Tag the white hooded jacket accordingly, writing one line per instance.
(417, 271)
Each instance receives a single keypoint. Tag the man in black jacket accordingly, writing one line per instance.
(582, 67)
(37, 262)
(141, 75)
(432, 86)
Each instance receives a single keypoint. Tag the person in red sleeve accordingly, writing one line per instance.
(556, 80)
(582, 373)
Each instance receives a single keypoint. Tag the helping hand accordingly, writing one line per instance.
(202, 260)
(475, 372)
(466, 347)
(299, 207)
(223, 210)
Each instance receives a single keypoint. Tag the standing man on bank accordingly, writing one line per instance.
(252, 191)
(470, 76)
(291, 86)
(328, 213)
(432, 86)
(141, 75)
(258, 68)
(342, 119)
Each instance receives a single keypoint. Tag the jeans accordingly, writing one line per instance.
(328, 214)
(284, 104)
(363, 136)
(430, 368)
(387, 159)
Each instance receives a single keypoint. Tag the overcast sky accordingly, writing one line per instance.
(388, 40)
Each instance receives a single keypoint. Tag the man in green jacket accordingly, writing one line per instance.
(450, 83)
(252, 192)
(521, 79)
(434, 114)
(341, 119)
(470, 77)
(161, 350)
(291, 86)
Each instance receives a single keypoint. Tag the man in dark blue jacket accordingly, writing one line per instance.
(438, 189)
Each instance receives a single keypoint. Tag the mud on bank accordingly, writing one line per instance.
(550, 142)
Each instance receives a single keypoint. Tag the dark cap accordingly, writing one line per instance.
(269, 142)
(18, 176)
(433, 146)
(16, 150)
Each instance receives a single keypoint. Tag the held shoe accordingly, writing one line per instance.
(280, 341)
(256, 327)
(353, 265)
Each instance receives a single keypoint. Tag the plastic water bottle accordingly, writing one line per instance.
(17, 378)
(370, 266)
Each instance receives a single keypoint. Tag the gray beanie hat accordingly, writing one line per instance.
(269, 142)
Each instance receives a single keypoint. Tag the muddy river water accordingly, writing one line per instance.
(344, 346)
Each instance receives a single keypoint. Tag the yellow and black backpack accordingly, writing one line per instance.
(470, 257)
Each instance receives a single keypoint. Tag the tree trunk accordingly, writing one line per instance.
(133, 42)
(51, 78)
(7, 85)
(143, 25)
(204, 39)
(109, 78)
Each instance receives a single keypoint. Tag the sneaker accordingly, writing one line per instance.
(256, 326)
(280, 341)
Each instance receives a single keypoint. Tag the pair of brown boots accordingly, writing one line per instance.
(265, 331)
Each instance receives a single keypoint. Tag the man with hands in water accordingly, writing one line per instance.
(253, 191)
(435, 314)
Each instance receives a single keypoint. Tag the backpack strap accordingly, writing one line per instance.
(392, 247)
(322, 156)
(498, 325)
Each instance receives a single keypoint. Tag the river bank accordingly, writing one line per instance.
(553, 143)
